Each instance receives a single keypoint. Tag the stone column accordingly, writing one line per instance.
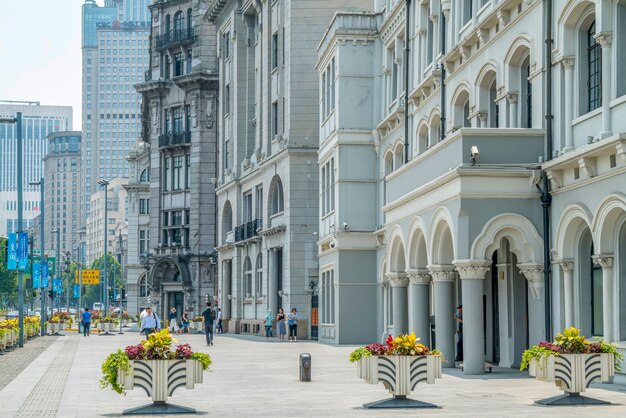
(227, 288)
(472, 274)
(605, 39)
(568, 291)
(419, 304)
(272, 281)
(443, 281)
(512, 98)
(399, 283)
(568, 65)
(606, 262)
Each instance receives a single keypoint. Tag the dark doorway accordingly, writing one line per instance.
(176, 300)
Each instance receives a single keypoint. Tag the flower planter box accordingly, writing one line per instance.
(53, 329)
(196, 327)
(400, 375)
(8, 340)
(125, 322)
(159, 379)
(572, 373)
(106, 327)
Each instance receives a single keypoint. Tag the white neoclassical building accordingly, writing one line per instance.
(430, 192)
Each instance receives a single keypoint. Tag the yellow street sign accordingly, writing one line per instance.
(89, 277)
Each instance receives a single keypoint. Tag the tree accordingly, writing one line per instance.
(114, 273)
(8, 279)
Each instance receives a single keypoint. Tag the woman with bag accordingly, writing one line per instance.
(293, 324)
(281, 330)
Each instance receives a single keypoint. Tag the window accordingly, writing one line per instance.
(527, 91)
(467, 10)
(166, 173)
(328, 187)
(144, 241)
(258, 282)
(594, 70)
(596, 298)
(179, 23)
(226, 45)
(259, 202)
(178, 120)
(226, 154)
(179, 64)
(189, 61)
(226, 100)
(187, 171)
(189, 20)
(394, 78)
(227, 220)
(494, 108)
(247, 281)
(167, 128)
(168, 64)
(144, 206)
(145, 175)
(177, 166)
(143, 287)
(328, 89)
(247, 207)
(274, 119)
(328, 297)
(275, 51)
(276, 196)
(466, 112)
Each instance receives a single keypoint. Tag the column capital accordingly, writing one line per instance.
(418, 276)
(472, 269)
(603, 260)
(512, 97)
(566, 265)
(534, 276)
(568, 62)
(398, 279)
(442, 273)
(604, 39)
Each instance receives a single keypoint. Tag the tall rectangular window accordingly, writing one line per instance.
(274, 119)
(166, 173)
(189, 61)
(178, 120)
(259, 202)
(226, 154)
(167, 128)
(247, 207)
(179, 64)
(187, 118)
(187, 171)
(328, 187)
(275, 50)
(594, 68)
(168, 64)
(177, 166)
(226, 100)
(226, 45)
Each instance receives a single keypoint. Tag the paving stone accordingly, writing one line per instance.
(13, 362)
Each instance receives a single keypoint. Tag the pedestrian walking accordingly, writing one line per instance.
(209, 321)
(292, 321)
(86, 322)
(150, 322)
(281, 330)
(220, 330)
(458, 316)
(268, 325)
(172, 320)
(185, 326)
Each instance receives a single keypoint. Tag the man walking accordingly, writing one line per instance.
(209, 319)
(220, 329)
(150, 323)
(459, 345)
(86, 322)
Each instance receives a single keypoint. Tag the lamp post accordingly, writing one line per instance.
(105, 289)
(41, 252)
(58, 259)
(67, 262)
(17, 120)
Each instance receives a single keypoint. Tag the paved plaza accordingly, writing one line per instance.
(250, 377)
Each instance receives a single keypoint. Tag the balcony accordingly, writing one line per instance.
(175, 139)
(248, 230)
(175, 37)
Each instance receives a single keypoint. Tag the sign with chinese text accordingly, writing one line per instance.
(12, 252)
(22, 251)
(89, 277)
(36, 274)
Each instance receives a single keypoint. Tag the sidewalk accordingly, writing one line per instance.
(251, 377)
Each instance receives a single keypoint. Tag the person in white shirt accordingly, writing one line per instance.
(220, 330)
(150, 323)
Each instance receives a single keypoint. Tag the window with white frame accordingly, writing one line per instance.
(328, 89)
(144, 241)
(328, 187)
(247, 278)
(258, 279)
(144, 206)
(328, 297)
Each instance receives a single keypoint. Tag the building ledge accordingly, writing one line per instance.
(273, 230)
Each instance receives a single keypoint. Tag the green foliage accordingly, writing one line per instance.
(571, 341)
(110, 368)
(611, 349)
(203, 358)
(535, 352)
(8, 278)
(358, 353)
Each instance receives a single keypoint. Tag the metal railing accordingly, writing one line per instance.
(248, 230)
(175, 138)
(174, 37)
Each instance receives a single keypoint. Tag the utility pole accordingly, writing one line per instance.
(104, 183)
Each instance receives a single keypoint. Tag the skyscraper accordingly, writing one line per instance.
(115, 56)
(37, 122)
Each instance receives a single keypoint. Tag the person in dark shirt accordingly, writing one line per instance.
(209, 320)
(86, 320)
(459, 345)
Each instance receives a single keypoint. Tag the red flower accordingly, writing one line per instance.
(389, 341)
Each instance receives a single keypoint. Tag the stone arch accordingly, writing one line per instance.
(388, 160)
(422, 136)
(442, 245)
(522, 236)
(398, 154)
(608, 217)
(486, 93)
(166, 269)
(434, 125)
(227, 220)
(396, 255)
(383, 269)
(418, 252)
(461, 105)
(568, 24)
(574, 219)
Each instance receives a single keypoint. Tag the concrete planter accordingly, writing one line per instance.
(54, 328)
(196, 327)
(400, 375)
(106, 327)
(572, 373)
(159, 379)
(8, 339)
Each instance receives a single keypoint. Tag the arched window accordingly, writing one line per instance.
(398, 156)
(422, 135)
(145, 175)
(276, 196)
(388, 162)
(527, 94)
(189, 20)
(594, 69)
(461, 110)
(247, 278)
(258, 281)
(494, 109)
(179, 22)
(434, 130)
(227, 220)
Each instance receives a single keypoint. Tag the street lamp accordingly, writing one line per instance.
(40, 183)
(17, 120)
(105, 183)
(58, 259)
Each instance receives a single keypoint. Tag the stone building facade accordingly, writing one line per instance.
(267, 176)
(451, 214)
(179, 124)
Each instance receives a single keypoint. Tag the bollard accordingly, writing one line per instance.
(305, 367)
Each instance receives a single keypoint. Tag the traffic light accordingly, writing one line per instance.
(111, 294)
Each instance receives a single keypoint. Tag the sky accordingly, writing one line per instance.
(40, 52)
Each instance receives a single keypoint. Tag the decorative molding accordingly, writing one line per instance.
(419, 276)
(588, 166)
(568, 62)
(398, 279)
(472, 269)
(511, 97)
(567, 265)
(442, 273)
(605, 39)
(534, 275)
(603, 260)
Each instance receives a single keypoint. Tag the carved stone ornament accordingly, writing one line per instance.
(471, 271)
(418, 276)
(210, 113)
(442, 273)
(534, 276)
(398, 279)
(194, 112)
(603, 260)
(154, 115)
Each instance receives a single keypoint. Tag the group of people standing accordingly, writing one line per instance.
(281, 328)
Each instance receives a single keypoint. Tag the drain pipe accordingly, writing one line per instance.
(546, 197)
(442, 68)
(407, 55)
